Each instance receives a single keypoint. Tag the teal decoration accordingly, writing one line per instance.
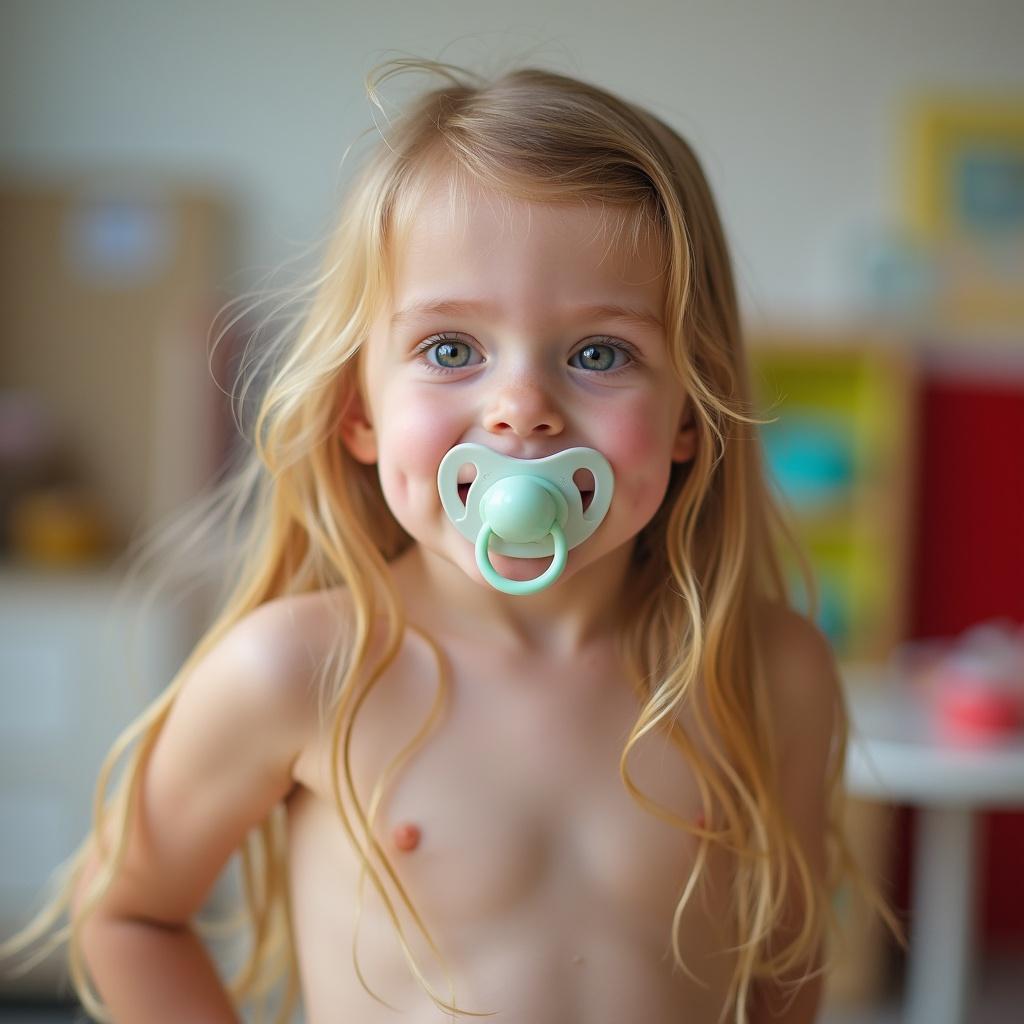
(811, 458)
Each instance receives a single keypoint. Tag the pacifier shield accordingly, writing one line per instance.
(524, 508)
(555, 473)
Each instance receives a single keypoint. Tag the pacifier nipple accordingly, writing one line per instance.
(524, 508)
(520, 508)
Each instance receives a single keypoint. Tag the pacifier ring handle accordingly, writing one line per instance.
(553, 571)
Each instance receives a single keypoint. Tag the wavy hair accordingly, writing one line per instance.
(301, 514)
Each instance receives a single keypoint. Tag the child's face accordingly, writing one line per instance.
(526, 375)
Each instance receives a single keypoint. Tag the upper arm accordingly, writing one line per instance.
(805, 689)
(220, 764)
(806, 693)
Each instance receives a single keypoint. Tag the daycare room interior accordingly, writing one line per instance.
(160, 161)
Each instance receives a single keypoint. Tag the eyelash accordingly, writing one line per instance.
(437, 339)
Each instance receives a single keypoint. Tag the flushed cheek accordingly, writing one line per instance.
(641, 460)
(630, 439)
(639, 492)
(650, 492)
(415, 440)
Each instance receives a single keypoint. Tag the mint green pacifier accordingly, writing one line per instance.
(525, 508)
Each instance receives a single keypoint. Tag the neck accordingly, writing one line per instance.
(563, 620)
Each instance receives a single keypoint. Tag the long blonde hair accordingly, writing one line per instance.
(304, 516)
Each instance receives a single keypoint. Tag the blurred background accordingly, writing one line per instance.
(158, 161)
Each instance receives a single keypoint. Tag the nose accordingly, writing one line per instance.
(523, 410)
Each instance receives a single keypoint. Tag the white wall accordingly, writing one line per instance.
(793, 106)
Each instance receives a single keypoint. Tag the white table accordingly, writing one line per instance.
(897, 754)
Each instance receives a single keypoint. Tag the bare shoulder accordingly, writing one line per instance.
(222, 760)
(801, 670)
(291, 634)
(805, 696)
(287, 639)
(799, 659)
(806, 700)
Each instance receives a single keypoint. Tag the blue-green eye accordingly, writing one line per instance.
(594, 352)
(447, 347)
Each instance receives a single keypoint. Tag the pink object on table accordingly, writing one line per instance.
(976, 686)
(968, 706)
(973, 685)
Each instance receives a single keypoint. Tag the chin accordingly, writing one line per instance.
(522, 569)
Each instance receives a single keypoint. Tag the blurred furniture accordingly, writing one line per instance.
(79, 659)
(896, 754)
(840, 453)
(968, 558)
(963, 196)
(108, 289)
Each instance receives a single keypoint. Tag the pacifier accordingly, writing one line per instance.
(525, 508)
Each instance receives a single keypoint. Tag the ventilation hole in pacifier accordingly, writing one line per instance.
(584, 480)
(467, 474)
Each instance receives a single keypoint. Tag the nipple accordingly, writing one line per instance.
(407, 837)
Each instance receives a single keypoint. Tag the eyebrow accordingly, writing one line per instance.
(628, 315)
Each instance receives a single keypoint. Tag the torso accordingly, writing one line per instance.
(548, 889)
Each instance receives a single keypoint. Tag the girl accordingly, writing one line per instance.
(616, 797)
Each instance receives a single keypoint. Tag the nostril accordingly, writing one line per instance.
(463, 491)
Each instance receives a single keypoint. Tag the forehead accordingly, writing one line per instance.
(470, 242)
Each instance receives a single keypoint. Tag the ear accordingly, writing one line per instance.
(685, 446)
(356, 430)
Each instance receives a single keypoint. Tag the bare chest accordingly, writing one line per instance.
(550, 890)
